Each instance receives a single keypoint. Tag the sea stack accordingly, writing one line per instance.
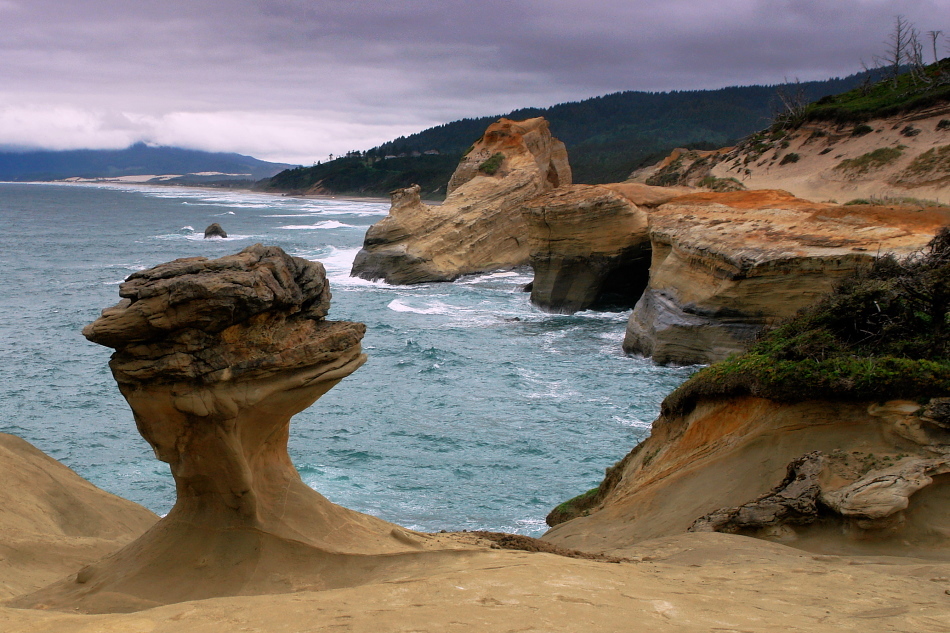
(214, 357)
(480, 226)
(215, 230)
(585, 242)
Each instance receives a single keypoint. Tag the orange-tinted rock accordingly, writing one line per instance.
(725, 265)
(833, 477)
(479, 226)
(586, 241)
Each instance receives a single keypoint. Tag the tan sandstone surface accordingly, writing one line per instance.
(692, 582)
(830, 477)
(583, 240)
(52, 521)
(724, 265)
(901, 156)
(479, 226)
(215, 356)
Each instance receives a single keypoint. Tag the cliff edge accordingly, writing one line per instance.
(479, 226)
(832, 433)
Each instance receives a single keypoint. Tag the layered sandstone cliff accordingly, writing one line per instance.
(479, 226)
(725, 265)
(591, 244)
(214, 357)
(585, 241)
(832, 477)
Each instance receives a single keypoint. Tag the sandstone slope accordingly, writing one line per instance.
(865, 478)
(900, 156)
(479, 226)
(725, 265)
(692, 583)
(52, 521)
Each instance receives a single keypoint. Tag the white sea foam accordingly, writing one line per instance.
(429, 307)
(329, 224)
(632, 422)
(339, 259)
(198, 237)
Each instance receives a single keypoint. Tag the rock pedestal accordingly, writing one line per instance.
(214, 357)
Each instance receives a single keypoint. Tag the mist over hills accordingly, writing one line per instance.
(191, 166)
(607, 137)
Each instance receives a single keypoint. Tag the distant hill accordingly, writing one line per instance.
(607, 137)
(191, 166)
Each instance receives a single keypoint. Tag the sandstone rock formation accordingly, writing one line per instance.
(479, 226)
(215, 230)
(827, 476)
(52, 521)
(214, 357)
(586, 241)
(725, 265)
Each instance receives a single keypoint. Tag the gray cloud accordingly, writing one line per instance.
(298, 79)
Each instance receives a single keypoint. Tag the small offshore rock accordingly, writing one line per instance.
(215, 230)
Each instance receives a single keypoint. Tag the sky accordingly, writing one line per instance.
(297, 80)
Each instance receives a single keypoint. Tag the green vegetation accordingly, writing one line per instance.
(721, 184)
(896, 201)
(357, 175)
(577, 505)
(607, 137)
(791, 157)
(492, 164)
(935, 162)
(920, 87)
(861, 129)
(885, 332)
(872, 160)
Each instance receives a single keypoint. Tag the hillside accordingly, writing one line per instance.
(884, 141)
(607, 137)
(186, 165)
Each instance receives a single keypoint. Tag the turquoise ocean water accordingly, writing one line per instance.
(474, 411)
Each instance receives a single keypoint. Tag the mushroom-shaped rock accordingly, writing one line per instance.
(214, 357)
(215, 230)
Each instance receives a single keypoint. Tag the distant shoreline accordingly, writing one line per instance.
(133, 181)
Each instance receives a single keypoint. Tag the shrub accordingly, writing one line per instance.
(934, 161)
(721, 184)
(884, 332)
(943, 124)
(872, 160)
(492, 164)
(861, 130)
(791, 157)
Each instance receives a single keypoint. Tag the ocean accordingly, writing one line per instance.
(475, 410)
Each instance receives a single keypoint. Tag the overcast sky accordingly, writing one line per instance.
(296, 80)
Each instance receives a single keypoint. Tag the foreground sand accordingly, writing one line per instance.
(695, 582)
(53, 523)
